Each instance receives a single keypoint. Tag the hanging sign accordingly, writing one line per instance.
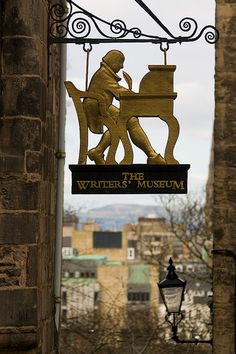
(95, 110)
(129, 179)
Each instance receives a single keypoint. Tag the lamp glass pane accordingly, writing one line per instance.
(173, 297)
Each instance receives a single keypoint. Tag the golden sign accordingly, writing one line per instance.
(95, 110)
(129, 179)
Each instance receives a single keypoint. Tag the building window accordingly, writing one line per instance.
(131, 253)
(66, 274)
(155, 248)
(179, 267)
(96, 296)
(147, 248)
(64, 315)
(64, 297)
(87, 275)
(104, 239)
(132, 243)
(77, 274)
(152, 238)
(138, 296)
(190, 268)
(75, 252)
(67, 251)
(66, 241)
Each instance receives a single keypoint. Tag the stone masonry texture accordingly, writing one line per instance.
(29, 109)
(224, 181)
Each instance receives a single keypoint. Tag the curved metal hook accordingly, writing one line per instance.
(89, 49)
(164, 50)
(162, 47)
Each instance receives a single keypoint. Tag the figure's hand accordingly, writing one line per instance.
(128, 79)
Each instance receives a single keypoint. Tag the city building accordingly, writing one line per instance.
(90, 241)
(93, 283)
(106, 276)
(70, 223)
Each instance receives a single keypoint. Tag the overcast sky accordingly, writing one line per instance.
(193, 82)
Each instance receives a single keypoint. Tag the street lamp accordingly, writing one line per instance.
(172, 290)
(172, 293)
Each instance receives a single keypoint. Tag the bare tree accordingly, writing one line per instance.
(189, 222)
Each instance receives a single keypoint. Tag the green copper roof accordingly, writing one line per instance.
(114, 263)
(138, 274)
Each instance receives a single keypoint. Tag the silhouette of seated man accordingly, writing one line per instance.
(105, 82)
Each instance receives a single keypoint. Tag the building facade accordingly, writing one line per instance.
(104, 280)
(29, 115)
(224, 182)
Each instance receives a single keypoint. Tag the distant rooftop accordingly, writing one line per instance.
(115, 263)
(70, 219)
(152, 219)
(79, 281)
(97, 259)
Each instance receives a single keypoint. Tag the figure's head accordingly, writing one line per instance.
(114, 59)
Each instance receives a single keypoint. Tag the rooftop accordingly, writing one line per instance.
(138, 274)
(97, 259)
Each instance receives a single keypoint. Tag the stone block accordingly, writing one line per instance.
(24, 18)
(33, 162)
(13, 266)
(45, 164)
(18, 307)
(17, 340)
(228, 55)
(47, 302)
(23, 96)
(48, 134)
(43, 201)
(9, 164)
(45, 266)
(19, 134)
(32, 266)
(48, 332)
(230, 161)
(19, 194)
(49, 164)
(22, 56)
(226, 88)
(225, 124)
(19, 228)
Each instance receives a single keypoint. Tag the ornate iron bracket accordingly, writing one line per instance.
(70, 23)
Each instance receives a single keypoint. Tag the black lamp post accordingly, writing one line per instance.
(172, 292)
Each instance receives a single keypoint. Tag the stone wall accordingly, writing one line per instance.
(224, 187)
(29, 80)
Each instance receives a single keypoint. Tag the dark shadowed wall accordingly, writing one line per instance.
(224, 181)
(29, 84)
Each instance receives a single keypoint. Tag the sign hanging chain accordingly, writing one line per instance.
(165, 51)
(87, 50)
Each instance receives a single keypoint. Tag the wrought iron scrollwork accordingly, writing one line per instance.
(70, 23)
